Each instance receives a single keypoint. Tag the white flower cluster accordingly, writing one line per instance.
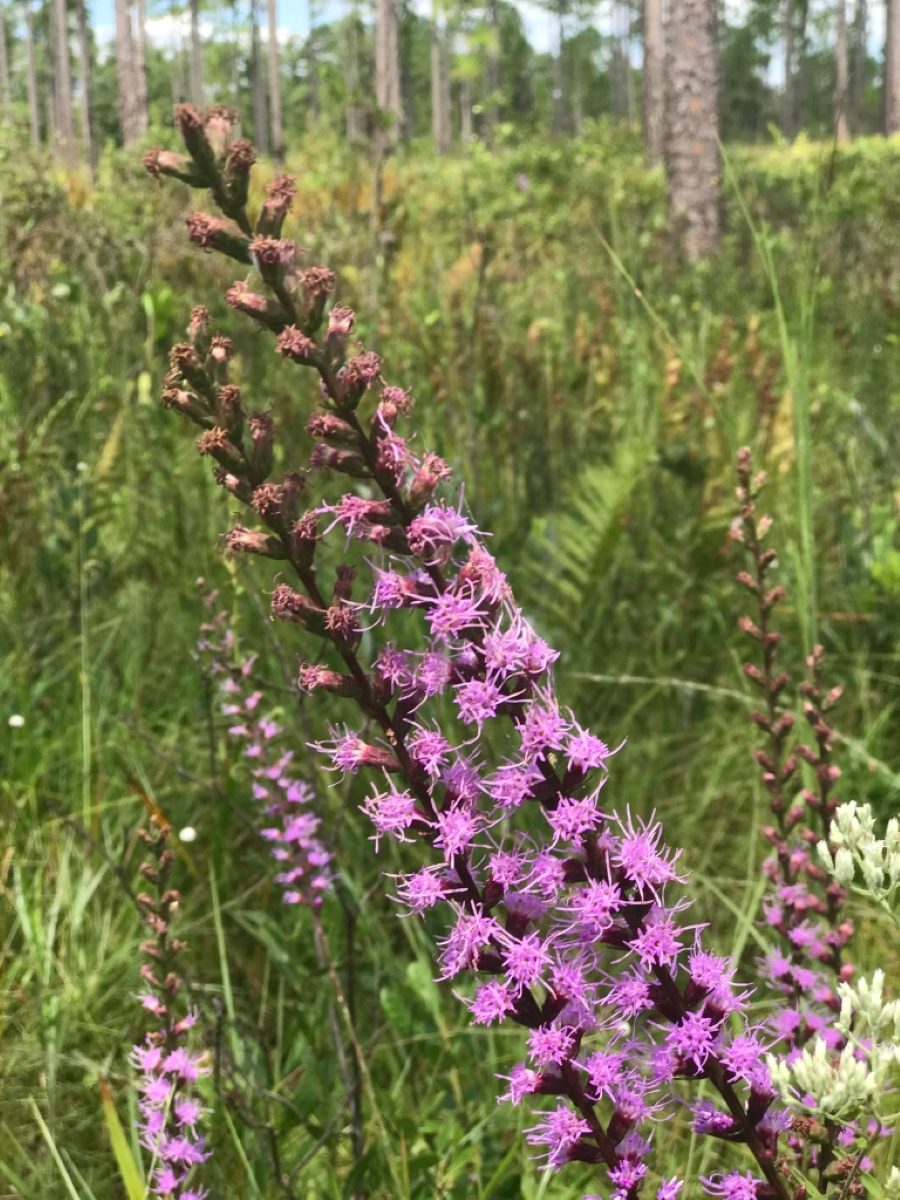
(892, 1184)
(842, 1086)
(852, 838)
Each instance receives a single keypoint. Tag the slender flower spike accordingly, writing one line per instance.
(552, 911)
(168, 1069)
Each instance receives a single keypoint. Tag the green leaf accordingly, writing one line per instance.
(129, 1171)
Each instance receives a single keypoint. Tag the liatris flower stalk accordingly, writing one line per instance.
(292, 826)
(171, 1114)
(567, 914)
(805, 905)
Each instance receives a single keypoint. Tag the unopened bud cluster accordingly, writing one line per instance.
(854, 850)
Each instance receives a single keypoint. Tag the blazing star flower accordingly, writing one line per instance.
(568, 915)
(170, 1114)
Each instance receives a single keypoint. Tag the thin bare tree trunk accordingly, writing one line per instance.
(31, 83)
(275, 84)
(139, 62)
(693, 165)
(654, 81)
(560, 100)
(257, 84)
(62, 80)
(312, 65)
(440, 88)
(841, 72)
(196, 56)
(892, 69)
(84, 71)
(858, 70)
(492, 70)
(125, 77)
(466, 131)
(388, 100)
(5, 91)
(788, 100)
(354, 114)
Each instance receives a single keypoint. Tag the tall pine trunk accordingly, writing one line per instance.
(388, 100)
(312, 63)
(62, 83)
(257, 83)
(466, 130)
(892, 69)
(440, 88)
(492, 70)
(841, 72)
(31, 76)
(85, 80)
(5, 90)
(139, 63)
(275, 84)
(125, 71)
(197, 97)
(858, 67)
(788, 99)
(693, 167)
(654, 81)
(560, 98)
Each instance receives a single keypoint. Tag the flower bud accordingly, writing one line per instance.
(267, 312)
(296, 345)
(426, 480)
(262, 441)
(177, 166)
(333, 458)
(191, 127)
(241, 540)
(316, 285)
(331, 428)
(356, 375)
(198, 329)
(340, 326)
(216, 443)
(236, 484)
(288, 605)
(241, 157)
(279, 197)
(231, 415)
(188, 404)
(213, 233)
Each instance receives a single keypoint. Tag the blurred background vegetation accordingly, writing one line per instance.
(591, 388)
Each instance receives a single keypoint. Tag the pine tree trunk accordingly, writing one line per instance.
(62, 80)
(31, 84)
(440, 88)
(5, 91)
(197, 98)
(858, 70)
(788, 102)
(84, 71)
(275, 84)
(841, 72)
(466, 131)
(388, 101)
(257, 84)
(693, 166)
(312, 65)
(353, 115)
(892, 69)
(654, 81)
(125, 71)
(141, 116)
(560, 100)
(492, 70)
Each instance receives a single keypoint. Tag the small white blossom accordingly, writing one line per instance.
(853, 846)
(16, 721)
(188, 834)
(892, 1185)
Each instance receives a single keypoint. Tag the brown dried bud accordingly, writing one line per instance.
(217, 125)
(260, 308)
(241, 540)
(295, 345)
(188, 404)
(341, 622)
(334, 458)
(289, 605)
(241, 157)
(273, 253)
(331, 428)
(177, 166)
(279, 197)
(314, 676)
(262, 442)
(426, 480)
(358, 373)
(231, 414)
(216, 443)
(238, 487)
(213, 233)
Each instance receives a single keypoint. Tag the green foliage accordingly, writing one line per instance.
(591, 389)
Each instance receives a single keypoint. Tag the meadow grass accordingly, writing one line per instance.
(594, 391)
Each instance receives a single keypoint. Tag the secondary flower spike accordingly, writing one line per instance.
(559, 913)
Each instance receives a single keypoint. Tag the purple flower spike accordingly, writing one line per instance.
(171, 1114)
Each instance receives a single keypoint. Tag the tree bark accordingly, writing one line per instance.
(560, 99)
(5, 91)
(257, 84)
(275, 84)
(141, 116)
(197, 98)
(788, 100)
(125, 80)
(312, 64)
(466, 130)
(841, 72)
(440, 89)
(388, 100)
(353, 114)
(31, 84)
(492, 70)
(62, 82)
(654, 81)
(892, 69)
(84, 71)
(858, 69)
(693, 166)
